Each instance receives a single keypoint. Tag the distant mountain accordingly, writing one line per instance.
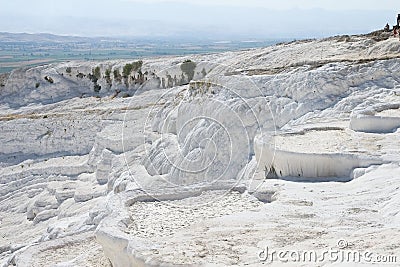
(178, 20)
(42, 37)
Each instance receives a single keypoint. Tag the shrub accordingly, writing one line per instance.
(188, 68)
(49, 79)
(170, 81)
(96, 72)
(37, 85)
(96, 88)
(126, 70)
(68, 70)
(108, 73)
(137, 65)
(108, 77)
(93, 78)
(204, 72)
(117, 75)
(80, 75)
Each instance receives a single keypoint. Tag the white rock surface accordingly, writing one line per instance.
(295, 146)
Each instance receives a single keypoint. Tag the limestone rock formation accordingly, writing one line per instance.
(204, 159)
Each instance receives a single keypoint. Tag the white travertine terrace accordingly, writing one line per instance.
(301, 138)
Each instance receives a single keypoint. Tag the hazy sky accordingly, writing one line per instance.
(288, 4)
(217, 19)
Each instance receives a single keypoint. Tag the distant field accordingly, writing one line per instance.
(32, 50)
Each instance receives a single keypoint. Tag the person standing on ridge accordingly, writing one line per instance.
(387, 28)
(398, 20)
